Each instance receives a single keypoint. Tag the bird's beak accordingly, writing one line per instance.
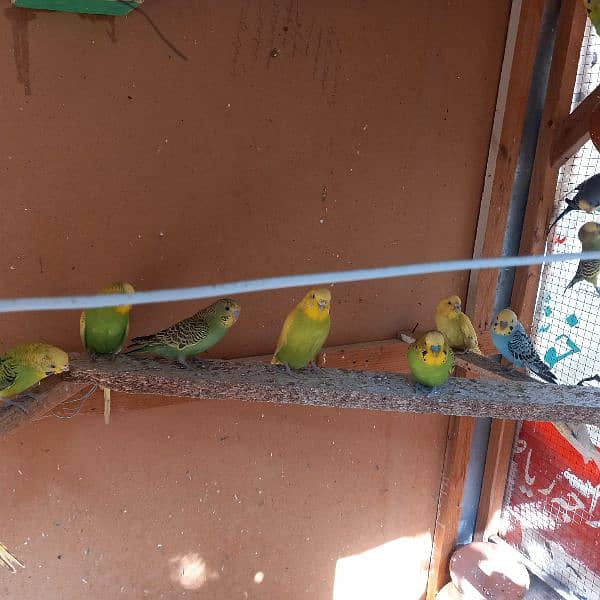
(436, 349)
(503, 324)
(56, 371)
(457, 307)
(322, 304)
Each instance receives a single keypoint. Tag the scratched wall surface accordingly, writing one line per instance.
(299, 136)
(551, 511)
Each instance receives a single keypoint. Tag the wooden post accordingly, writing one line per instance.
(558, 134)
(513, 92)
(542, 191)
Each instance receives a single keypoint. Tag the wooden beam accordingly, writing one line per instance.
(513, 93)
(522, 41)
(574, 131)
(557, 107)
(497, 463)
(456, 462)
(540, 203)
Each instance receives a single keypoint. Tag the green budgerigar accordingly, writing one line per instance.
(592, 8)
(191, 336)
(104, 330)
(26, 365)
(304, 330)
(588, 270)
(430, 360)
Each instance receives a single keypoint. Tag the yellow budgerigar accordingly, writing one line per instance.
(455, 325)
(304, 331)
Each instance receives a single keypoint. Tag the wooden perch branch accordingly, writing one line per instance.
(250, 381)
(478, 366)
(48, 395)
(511, 396)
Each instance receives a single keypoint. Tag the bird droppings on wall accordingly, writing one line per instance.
(19, 22)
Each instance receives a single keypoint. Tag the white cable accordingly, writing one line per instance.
(274, 283)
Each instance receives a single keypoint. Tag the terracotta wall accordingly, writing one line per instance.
(300, 136)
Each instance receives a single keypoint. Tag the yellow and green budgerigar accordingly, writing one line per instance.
(304, 330)
(588, 270)
(8, 559)
(430, 360)
(25, 365)
(455, 325)
(593, 10)
(104, 330)
(193, 335)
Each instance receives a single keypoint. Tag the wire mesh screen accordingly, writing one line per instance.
(551, 510)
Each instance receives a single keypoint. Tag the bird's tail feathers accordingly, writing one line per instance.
(575, 280)
(542, 370)
(10, 561)
(567, 210)
(139, 344)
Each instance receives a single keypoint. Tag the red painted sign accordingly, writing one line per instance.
(555, 500)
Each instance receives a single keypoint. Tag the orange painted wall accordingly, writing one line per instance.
(300, 136)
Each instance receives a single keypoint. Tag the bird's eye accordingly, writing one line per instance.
(227, 308)
(53, 366)
(449, 303)
(313, 296)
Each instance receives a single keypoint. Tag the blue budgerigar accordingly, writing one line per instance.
(511, 340)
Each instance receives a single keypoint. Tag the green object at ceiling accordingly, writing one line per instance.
(94, 7)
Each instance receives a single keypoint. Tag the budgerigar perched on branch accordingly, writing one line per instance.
(587, 270)
(25, 365)
(431, 359)
(511, 340)
(587, 197)
(193, 335)
(455, 325)
(304, 330)
(104, 330)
